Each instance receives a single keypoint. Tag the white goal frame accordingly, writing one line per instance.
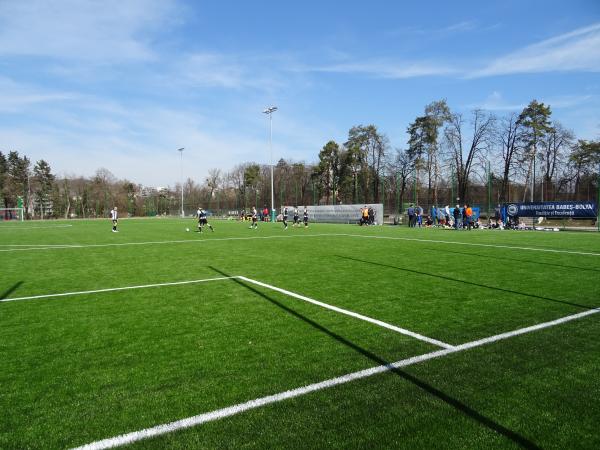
(20, 211)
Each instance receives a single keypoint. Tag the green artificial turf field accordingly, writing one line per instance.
(176, 333)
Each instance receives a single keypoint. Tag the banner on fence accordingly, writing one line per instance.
(572, 210)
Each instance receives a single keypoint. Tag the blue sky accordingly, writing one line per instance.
(122, 84)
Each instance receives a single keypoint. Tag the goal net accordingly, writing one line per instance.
(11, 214)
(337, 213)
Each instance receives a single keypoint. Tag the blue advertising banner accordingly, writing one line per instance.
(573, 210)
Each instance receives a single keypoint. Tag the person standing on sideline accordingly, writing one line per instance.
(469, 213)
(447, 214)
(440, 217)
(254, 219)
(419, 216)
(411, 216)
(285, 214)
(114, 216)
(456, 214)
(434, 214)
(465, 218)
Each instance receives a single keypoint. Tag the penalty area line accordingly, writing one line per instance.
(15, 227)
(349, 313)
(125, 288)
(135, 436)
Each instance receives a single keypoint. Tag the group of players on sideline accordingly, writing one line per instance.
(457, 217)
(464, 217)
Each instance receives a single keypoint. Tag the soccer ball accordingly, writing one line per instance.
(187, 229)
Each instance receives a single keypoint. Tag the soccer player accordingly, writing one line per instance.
(364, 216)
(296, 217)
(305, 218)
(254, 218)
(285, 215)
(202, 220)
(115, 218)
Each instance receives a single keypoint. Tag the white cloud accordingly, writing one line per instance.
(103, 31)
(18, 97)
(386, 69)
(496, 102)
(454, 28)
(578, 50)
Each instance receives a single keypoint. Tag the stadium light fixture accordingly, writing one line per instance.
(180, 150)
(269, 111)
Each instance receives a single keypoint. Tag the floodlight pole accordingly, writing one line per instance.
(598, 201)
(269, 111)
(533, 177)
(180, 150)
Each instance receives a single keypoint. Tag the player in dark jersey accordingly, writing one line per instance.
(296, 217)
(254, 218)
(305, 217)
(202, 220)
(285, 216)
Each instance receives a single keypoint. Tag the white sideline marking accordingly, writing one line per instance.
(268, 286)
(182, 241)
(397, 238)
(350, 313)
(199, 419)
(34, 245)
(15, 227)
(95, 291)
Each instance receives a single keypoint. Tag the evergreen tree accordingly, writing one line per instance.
(535, 122)
(43, 180)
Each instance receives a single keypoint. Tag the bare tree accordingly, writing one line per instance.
(553, 152)
(402, 166)
(213, 180)
(508, 138)
(462, 153)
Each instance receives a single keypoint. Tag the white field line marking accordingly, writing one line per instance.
(199, 419)
(182, 241)
(268, 286)
(15, 227)
(96, 291)
(350, 313)
(34, 245)
(535, 249)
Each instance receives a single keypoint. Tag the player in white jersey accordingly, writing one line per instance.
(305, 217)
(202, 220)
(114, 216)
(254, 218)
(296, 217)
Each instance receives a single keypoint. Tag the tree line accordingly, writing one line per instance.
(476, 157)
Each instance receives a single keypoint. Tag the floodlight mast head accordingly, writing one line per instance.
(270, 110)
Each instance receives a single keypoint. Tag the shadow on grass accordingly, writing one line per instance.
(470, 283)
(455, 403)
(502, 258)
(10, 290)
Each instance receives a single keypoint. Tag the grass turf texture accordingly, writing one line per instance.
(78, 369)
